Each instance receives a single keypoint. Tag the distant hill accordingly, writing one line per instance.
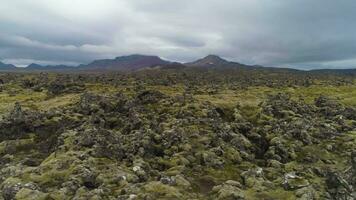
(146, 62)
(37, 67)
(34, 66)
(4, 66)
(334, 71)
(208, 61)
(173, 65)
(216, 62)
(126, 63)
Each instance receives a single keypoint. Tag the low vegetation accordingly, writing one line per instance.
(178, 134)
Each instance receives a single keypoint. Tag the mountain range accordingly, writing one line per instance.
(4, 66)
(139, 62)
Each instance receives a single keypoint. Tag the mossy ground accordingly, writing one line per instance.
(248, 101)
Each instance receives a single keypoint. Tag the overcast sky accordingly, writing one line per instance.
(287, 33)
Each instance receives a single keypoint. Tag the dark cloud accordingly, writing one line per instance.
(294, 33)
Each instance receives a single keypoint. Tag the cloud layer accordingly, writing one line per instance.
(294, 33)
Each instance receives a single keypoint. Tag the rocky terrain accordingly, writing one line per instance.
(178, 134)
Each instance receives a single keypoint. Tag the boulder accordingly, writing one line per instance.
(228, 191)
(29, 194)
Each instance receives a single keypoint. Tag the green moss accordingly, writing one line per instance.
(254, 95)
(250, 112)
(346, 94)
(278, 194)
(27, 98)
(55, 170)
(20, 145)
(27, 194)
(158, 190)
(228, 172)
(232, 155)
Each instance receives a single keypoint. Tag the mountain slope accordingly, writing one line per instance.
(208, 61)
(126, 63)
(34, 66)
(142, 62)
(38, 67)
(4, 66)
(216, 62)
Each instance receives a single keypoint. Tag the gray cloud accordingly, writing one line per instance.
(295, 33)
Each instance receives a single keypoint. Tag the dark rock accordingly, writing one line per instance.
(338, 187)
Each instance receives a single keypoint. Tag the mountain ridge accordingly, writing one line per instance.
(140, 62)
(208, 61)
(35, 66)
(4, 66)
(129, 63)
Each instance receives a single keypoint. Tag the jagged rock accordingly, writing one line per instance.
(293, 181)
(88, 138)
(17, 114)
(338, 187)
(103, 142)
(70, 187)
(323, 101)
(140, 173)
(31, 162)
(168, 180)
(9, 191)
(349, 113)
(90, 103)
(279, 150)
(56, 88)
(353, 167)
(88, 178)
(148, 97)
(305, 193)
(253, 177)
(12, 186)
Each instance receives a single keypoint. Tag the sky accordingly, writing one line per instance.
(301, 34)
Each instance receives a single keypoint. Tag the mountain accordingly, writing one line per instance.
(34, 66)
(146, 62)
(125, 63)
(209, 61)
(216, 62)
(4, 66)
(38, 67)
